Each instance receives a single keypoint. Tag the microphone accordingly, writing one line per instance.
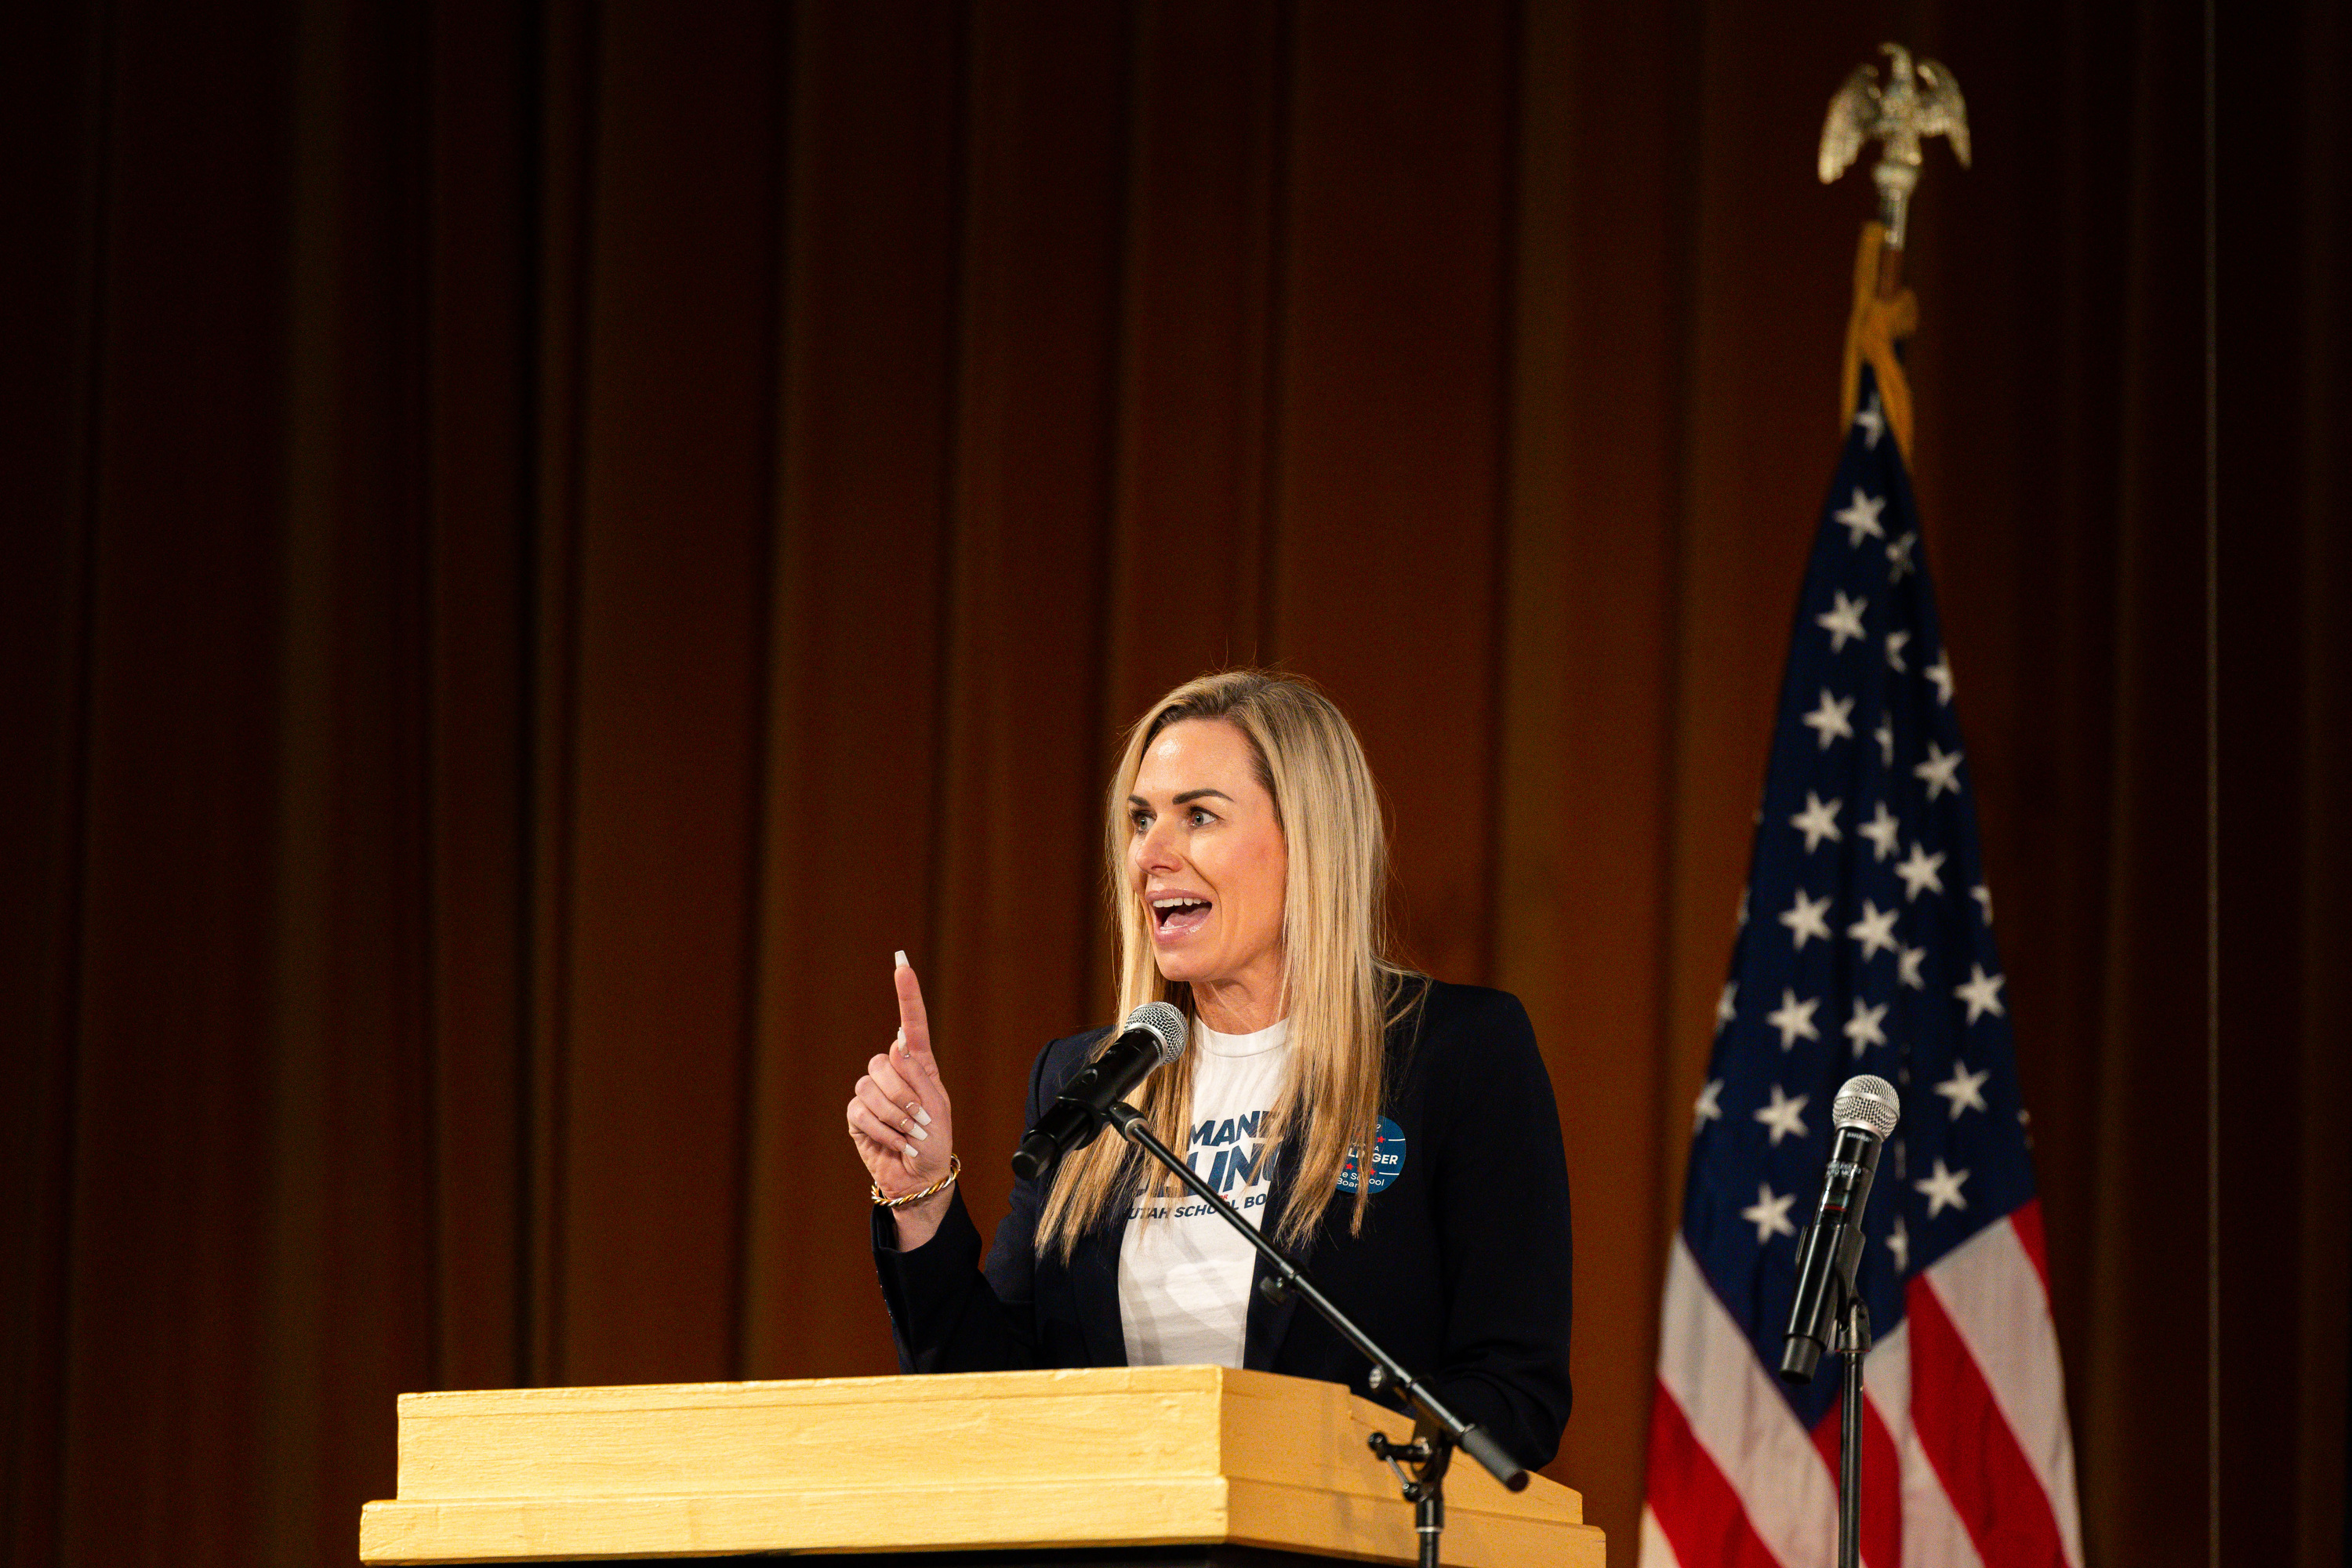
(1153, 1035)
(1864, 1113)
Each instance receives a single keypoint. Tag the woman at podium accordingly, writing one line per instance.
(1394, 1135)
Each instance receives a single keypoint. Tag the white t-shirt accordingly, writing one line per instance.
(1184, 1278)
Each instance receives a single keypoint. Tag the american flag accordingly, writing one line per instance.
(1865, 944)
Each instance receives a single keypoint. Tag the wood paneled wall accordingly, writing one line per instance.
(543, 541)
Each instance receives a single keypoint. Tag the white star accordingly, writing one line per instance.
(1894, 641)
(1881, 830)
(1941, 1190)
(1769, 1215)
(1706, 1109)
(1982, 992)
(1829, 721)
(1919, 873)
(1784, 1116)
(1963, 1088)
(1898, 557)
(1861, 517)
(1875, 931)
(1794, 1019)
(1843, 622)
(1817, 821)
(1983, 896)
(1805, 920)
(1725, 1011)
(1940, 771)
(1873, 424)
(1940, 674)
(1862, 1029)
(1884, 736)
(1906, 970)
(1898, 1242)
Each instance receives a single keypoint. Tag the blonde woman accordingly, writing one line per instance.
(1395, 1134)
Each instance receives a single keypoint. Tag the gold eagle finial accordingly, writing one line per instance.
(1898, 115)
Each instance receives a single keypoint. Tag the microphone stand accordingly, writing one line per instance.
(1854, 1343)
(1431, 1449)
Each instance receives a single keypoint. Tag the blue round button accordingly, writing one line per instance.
(1388, 1158)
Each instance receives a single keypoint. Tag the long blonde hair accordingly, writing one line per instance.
(1340, 983)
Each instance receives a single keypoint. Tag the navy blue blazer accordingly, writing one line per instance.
(1462, 1270)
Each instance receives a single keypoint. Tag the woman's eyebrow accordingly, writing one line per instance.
(1140, 804)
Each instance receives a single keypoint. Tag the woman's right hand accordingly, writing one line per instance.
(899, 1119)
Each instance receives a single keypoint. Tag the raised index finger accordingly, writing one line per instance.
(912, 1020)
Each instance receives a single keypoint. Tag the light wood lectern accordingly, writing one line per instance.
(1082, 1466)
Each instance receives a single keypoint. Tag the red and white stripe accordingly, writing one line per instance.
(1967, 1462)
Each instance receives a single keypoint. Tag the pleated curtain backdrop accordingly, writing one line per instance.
(543, 541)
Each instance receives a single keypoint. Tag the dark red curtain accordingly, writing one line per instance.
(542, 542)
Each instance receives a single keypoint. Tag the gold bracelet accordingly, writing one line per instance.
(955, 1169)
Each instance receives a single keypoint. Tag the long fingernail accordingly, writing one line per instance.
(908, 1150)
(921, 1134)
(899, 959)
(922, 1116)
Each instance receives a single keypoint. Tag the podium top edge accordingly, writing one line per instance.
(1053, 1382)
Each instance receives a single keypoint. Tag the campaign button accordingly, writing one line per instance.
(1387, 1161)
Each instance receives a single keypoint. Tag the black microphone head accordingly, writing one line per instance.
(1868, 1103)
(1164, 1023)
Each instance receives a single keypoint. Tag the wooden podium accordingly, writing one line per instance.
(1080, 1467)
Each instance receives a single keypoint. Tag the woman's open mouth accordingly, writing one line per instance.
(1177, 915)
